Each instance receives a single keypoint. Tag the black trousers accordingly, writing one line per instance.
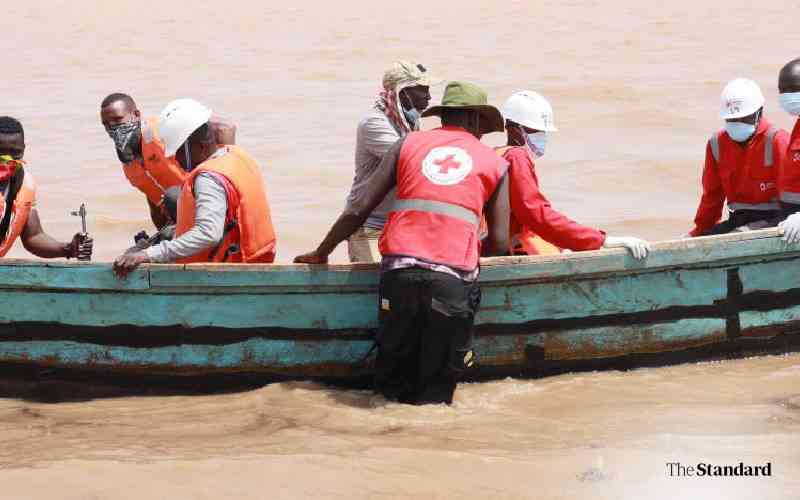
(760, 219)
(425, 335)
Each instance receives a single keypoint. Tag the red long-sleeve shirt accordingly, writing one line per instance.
(789, 177)
(530, 208)
(741, 175)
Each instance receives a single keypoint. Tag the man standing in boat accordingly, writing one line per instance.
(223, 213)
(405, 94)
(536, 228)
(741, 166)
(20, 218)
(789, 182)
(141, 150)
(446, 179)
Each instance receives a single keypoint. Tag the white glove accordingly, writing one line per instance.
(791, 228)
(637, 247)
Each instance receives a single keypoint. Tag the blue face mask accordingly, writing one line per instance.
(412, 116)
(790, 102)
(739, 131)
(537, 142)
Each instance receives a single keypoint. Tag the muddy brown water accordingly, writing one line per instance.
(635, 89)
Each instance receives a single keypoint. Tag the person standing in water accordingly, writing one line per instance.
(446, 179)
(405, 94)
(20, 219)
(741, 166)
(141, 150)
(537, 228)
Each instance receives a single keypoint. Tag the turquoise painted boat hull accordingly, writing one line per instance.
(692, 299)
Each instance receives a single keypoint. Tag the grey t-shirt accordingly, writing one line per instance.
(375, 136)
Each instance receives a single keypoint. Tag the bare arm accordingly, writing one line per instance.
(497, 218)
(382, 180)
(41, 244)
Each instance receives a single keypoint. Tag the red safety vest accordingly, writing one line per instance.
(21, 209)
(445, 177)
(744, 175)
(154, 173)
(249, 234)
(789, 179)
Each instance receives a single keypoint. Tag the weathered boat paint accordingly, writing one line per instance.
(730, 294)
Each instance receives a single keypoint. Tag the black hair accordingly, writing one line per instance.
(11, 126)
(118, 96)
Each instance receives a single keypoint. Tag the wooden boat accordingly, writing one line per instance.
(702, 298)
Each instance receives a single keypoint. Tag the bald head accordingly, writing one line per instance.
(789, 77)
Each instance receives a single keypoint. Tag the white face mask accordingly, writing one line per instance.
(790, 102)
(739, 131)
(537, 142)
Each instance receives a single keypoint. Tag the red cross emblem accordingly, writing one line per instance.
(445, 164)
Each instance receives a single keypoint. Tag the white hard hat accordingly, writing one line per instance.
(740, 97)
(531, 110)
(178, 120)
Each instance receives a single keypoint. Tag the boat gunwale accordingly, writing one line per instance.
(362, 277)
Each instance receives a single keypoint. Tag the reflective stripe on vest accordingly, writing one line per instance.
(714, 142)
(769, 157)
(754, 206)
(437, 207)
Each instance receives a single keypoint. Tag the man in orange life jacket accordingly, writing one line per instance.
(789, 180)
(223, 213)
(141, 150)
(536, 227)
(741, 166)
(445, 178)
(17, 204)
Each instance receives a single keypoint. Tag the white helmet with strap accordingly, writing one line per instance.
(531, 110)
(178, 120)
(740, 97)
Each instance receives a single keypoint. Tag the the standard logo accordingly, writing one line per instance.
(446, 166)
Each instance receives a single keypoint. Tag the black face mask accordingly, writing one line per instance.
(127, 138)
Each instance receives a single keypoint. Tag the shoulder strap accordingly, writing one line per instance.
(714, 143)
(16, 185)
(769, 146)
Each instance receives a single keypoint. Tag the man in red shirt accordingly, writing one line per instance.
(529, 119)
(789, 183)
(742, 164)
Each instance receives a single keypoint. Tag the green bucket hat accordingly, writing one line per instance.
(465, 95)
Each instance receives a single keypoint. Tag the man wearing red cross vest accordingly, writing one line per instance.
(446, 180)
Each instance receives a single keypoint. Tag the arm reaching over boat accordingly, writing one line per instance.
(536, 227)
(223, 214)
(360, 205)
(18, 217)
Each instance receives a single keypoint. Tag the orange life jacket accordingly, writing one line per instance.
(445, 177)
(523, 240)
(249, 234)
(20, 210)
(154, 173)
